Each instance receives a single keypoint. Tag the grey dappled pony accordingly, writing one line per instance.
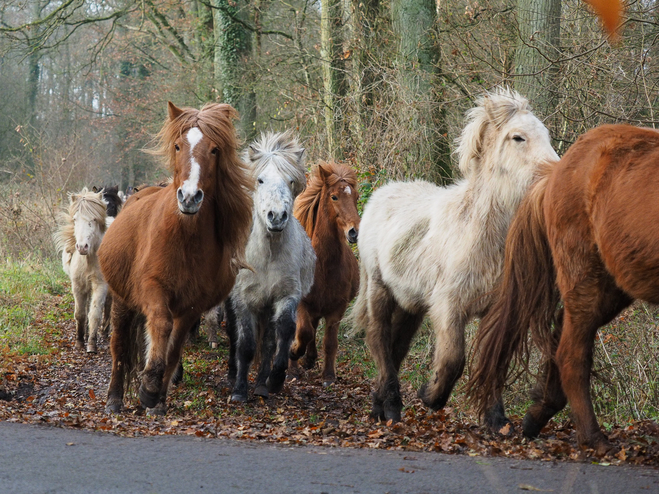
(263, 304)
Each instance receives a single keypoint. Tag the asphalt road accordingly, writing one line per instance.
(39, 459)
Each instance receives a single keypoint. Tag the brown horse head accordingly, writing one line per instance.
(336, 184)
(192, 142)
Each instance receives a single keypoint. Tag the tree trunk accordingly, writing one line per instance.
(334, 81)
(233, 52)
(539, 24)
(418, 61)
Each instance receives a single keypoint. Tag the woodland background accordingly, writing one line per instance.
(381, 84)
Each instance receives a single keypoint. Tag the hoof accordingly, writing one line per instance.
(80, 345)
(262, 391)
(275, 385)
(158, 411)
(238, 398)
(599, 444)
(432, 403)
(92, 349)
(328, 381)
(392, 413)
(148, 399)
(214, 345)
(114, 406)
(530, 427)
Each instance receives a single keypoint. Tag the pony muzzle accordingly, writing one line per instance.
(276, 221)
(83, 250)
(351, 235)
(189, 203)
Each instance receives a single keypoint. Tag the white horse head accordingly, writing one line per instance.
(87, 211)
(279, 171)
(503, 138)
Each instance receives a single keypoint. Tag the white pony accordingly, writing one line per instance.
(439, 250)
(262, 307)
(78, 238)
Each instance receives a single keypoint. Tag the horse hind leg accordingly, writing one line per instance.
(121, 319)
(449, 358)
(266, 342)
(285, 325)
(387, 403)
(591, 304)
(548, 395)
(305, 332)
(330, 348)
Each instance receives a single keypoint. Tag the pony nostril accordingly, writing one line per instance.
(198, 196)
(284, 216)
(179, 195)
(271, 216)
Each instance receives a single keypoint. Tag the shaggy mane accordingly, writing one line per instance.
(306, 205)
(90, 205)
(494, 108)
(284, 151)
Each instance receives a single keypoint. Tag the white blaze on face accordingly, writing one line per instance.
(190, 186)
(348, 190)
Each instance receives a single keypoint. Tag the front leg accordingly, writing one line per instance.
(284, 320)
(245, 348)
(120, 346)
(96, 306)
(159, 325)
(81, 297)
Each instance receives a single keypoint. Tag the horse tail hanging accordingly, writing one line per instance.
(526, 297)
(359, 314)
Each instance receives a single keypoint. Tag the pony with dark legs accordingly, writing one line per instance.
(261, 309)
(327, 210)
(78, 238)
(174, 251)
(439, 250)
(585, 235)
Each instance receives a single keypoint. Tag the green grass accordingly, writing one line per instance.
(26, 291)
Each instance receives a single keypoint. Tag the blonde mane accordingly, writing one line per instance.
(495, 108)
(91, 206)
(284, 151)
(306, 205)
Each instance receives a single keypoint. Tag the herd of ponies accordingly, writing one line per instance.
(529, 243)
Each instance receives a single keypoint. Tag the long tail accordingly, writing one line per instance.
(359, 313)
(526, 297)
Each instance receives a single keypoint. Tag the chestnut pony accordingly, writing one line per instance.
(174, 251)
(586, 235)
(327, 210)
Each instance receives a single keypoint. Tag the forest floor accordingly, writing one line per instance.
(64, 387)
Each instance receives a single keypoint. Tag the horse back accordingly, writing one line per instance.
(604, 194)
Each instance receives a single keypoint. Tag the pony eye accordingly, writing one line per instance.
(518, 138)
(292, 182)
(334, 198)
(260, 180)
(214, 151)
(177, 147)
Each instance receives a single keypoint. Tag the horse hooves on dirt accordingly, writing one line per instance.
(238, 398)
(159, 410)
(214, 345)
(92, 349)
(530, 427)
(328, 381)
(391, 414)
(261, 390)
(275, 385)
(148, 399)
(114, 406)
(80, 345)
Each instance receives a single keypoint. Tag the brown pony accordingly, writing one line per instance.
(174, 252)
(587, 234)
(327, 210)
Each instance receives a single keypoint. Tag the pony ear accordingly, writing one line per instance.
(252, 152)
(173, 110)
(299, 154)
(95, 189)
(322, 173)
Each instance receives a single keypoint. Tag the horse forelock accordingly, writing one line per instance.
(494, 110)
(281, 149)
(307, 202)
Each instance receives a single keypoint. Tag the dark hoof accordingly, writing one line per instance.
(432, 403)
(600, 445)
(158, 411)
(238, 398)
(114, 405)
(80, 345)
(262, 391)
(275, 385)
(308, 363)
(530, 426)
(392, 414)
(148, 399)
